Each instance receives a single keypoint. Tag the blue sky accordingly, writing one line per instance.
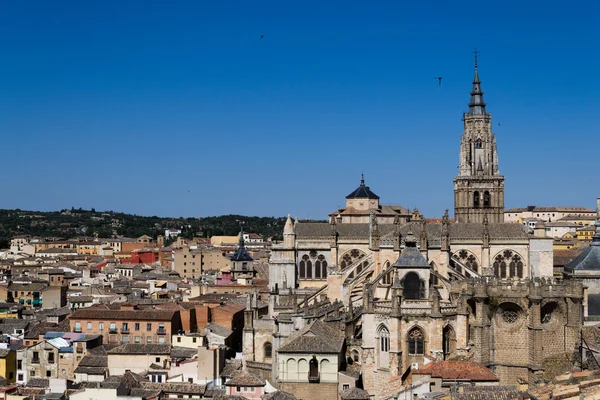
(178, 108)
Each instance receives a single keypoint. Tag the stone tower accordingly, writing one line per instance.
(479, 187)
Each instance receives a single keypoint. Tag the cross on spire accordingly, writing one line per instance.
(476, 54)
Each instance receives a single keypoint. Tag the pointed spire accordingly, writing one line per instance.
(362, 179)
(288, 229)
(476, 106)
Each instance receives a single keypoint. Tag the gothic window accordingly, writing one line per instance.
(467, 259)
(302, 267)
(449, 341)
(508, 265)
(352, 257)
(355, 356)
(476, 199)
(268, 350)
(318, 269)
(323, 267)
(309, 269)
(486, 199)
(478, 144)
(384, 347)
(416, 342)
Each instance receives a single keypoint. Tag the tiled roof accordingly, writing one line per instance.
(176, 387)
(488, 393)
(133, 348)
(434, 230)
(218, 330)
(465, 370)
(243, 378)
(362, 192)
(278, 395)
(355, 394)
(183, 352)
(316, 338)
(230, 367)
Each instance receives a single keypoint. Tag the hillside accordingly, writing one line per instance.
(79, 222)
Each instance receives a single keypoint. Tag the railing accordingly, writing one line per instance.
(112, 330)
(161, 332)
(125, 330)
(77, 330)
(35, 360)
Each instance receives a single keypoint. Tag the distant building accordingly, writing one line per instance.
(546, 214)
(172, 233)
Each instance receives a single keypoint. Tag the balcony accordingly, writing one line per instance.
(112, 330)
(35, 360)
(161, 331)
(77, 330)
(314, 378)
(125, 330)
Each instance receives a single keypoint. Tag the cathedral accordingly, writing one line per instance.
(391, 292)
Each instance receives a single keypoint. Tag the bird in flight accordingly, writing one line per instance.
(439, 78)
(262, 37)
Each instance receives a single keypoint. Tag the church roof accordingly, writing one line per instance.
(589, 260)
(476, 105)
(316, 338)
(434, 230)
(362, 192)
(411, 256)
(240, 253)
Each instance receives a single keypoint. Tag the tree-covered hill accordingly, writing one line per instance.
(78, 222)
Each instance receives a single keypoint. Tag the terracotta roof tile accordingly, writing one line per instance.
(464, 370)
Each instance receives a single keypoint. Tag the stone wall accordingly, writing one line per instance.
(310, 391)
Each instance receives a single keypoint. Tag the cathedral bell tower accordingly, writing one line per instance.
(478, 187)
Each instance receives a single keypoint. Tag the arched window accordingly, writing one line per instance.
(508, 265)
(476, 199)
(302, 267)
(351, 257)
(416, 342)
(317, 269)
(449, 341)
(268, 350)
(486, 199)
(384, 347)
(388, 278)
(413, 286)
(309, 269)
(313, 370)
(324, 269)
(478, 144)
(355, 356)
(467, 259)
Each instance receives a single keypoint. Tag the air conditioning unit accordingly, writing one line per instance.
(414, 366)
